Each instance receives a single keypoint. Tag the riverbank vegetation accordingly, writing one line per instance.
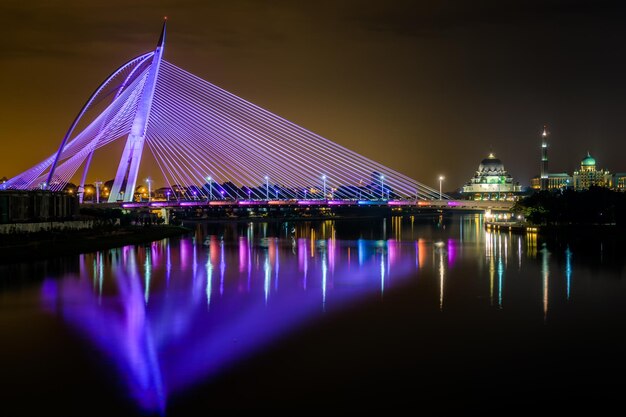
(596, 206)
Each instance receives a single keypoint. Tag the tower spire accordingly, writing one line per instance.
(544, 159)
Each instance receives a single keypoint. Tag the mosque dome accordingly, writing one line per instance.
(491, 164)
(588, 161)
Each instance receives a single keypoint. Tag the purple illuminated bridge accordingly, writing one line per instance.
(201, 136)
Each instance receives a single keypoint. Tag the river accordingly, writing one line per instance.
(399, 315)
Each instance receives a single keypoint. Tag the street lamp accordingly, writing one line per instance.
(98, 184)
(149, 181)
(267, 187)
(441, 178)
(382, 187)
(324, 179)
(305, 190)
(210, 180)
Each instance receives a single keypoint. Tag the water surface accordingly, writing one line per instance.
(408, 314)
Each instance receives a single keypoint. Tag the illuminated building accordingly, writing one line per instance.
(491, 182)
(619, 181)
(555, 181)
(544, 179)
(588, 176)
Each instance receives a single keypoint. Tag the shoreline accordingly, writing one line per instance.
(575, 231)
(54, 244)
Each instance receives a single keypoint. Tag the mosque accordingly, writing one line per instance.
(491, 182)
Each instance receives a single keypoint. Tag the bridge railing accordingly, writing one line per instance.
(432, 204)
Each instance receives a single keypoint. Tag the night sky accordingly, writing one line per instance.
(425, 87)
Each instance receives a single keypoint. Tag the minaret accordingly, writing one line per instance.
(544, 158)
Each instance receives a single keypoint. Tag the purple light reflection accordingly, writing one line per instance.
(451, 253)
(175, 340)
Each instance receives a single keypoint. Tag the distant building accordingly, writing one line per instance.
(619, 181)
(491, 182)
(588, 175)
(555, 181)
(18, 206)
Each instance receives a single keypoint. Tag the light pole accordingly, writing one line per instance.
(267, 187)
(97, 184)
(210, 180)
(382, 187)
(149, 181)
(305, 190)
(441, 178)
(324, 179)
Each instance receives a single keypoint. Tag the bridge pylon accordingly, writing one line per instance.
(128, 168)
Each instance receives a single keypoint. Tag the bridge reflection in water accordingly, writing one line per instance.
(172, 313)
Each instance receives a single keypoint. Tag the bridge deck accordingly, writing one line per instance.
(425, 204)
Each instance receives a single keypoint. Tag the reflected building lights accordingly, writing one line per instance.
(422, 252)
(268, 274)
(147, 276)
(243, 252)
(100, 274)
(568, 270)
(545, 275)
(222, 268)
(451, 253)
(492, 268)
(506, 249)
(276, 264)
(209, 280)
(249, 249)
(362, 249)
(500, 277)
(303, 259)
(417, 255)
(442, 272)
(531, 244)
(382, 275)
(324, 273)
(194, 266)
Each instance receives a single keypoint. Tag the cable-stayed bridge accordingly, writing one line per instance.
(201, 135)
